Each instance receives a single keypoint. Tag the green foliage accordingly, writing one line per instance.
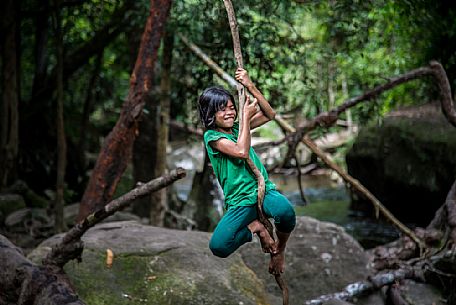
(297, 53)
(305, 57)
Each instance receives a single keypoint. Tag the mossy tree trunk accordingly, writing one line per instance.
(117, 149)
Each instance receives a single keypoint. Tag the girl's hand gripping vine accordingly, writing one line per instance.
(250, 109)
(242, 76)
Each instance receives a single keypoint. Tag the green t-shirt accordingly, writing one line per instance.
(234, 175)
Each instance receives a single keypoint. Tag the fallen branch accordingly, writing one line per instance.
(365, 287)
(190, 222)
(420, 270)
(70, 247)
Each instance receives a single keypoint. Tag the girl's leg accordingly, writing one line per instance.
(232, 231)
(235, 229)
(278, 207)
(267, 242)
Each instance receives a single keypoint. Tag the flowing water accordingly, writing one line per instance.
(327, 200)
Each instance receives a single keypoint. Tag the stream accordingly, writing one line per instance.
(327, 200)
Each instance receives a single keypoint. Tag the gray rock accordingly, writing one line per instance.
(320, 259)
(420, 293)
(407, 162)
(166, 266)
(157, 266)
(71, 212)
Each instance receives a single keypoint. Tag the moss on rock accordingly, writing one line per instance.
(162, 267)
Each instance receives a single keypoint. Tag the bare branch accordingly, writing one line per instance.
(66, 249)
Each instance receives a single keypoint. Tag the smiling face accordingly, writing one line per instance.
(224, 118)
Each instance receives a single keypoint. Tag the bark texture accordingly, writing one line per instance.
(117, 149)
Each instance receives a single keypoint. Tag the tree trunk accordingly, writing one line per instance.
(200, 199)
(61, 144)
(80, 56)
(9, 129)
(145, 154)
(331, 88)
(159, 198)
(149, 151)
(37, 148)
(116, 151)
(88, 108)
(40, 51)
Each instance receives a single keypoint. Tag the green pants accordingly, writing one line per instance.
(232, 231)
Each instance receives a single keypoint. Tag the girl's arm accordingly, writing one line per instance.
(267, 113)
(242, 147)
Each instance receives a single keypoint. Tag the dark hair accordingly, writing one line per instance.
(213, 99)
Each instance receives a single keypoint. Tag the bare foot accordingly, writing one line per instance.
(277, 263)
(267, 243)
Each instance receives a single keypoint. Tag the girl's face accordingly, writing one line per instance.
(225, 118)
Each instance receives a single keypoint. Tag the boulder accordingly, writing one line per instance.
(157, 266)
(407, 162)
(164, 266)
(320, 259)
(421, 293)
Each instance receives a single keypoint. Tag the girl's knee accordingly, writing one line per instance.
(219, 248)
(285, 219)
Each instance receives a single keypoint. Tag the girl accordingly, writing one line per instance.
(228, 149)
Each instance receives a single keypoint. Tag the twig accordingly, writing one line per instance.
(191, 223)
